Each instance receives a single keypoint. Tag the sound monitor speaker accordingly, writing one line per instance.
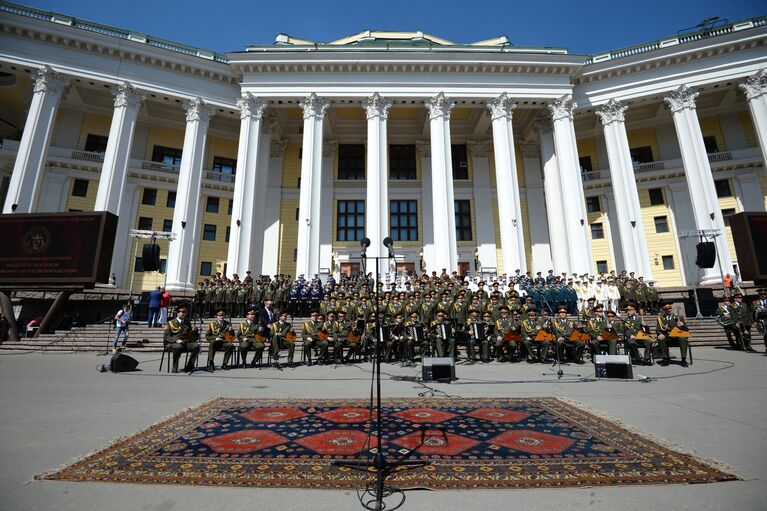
(613, 366)
(706, 254)
(438, 369)
(121, 363)
(150, 257)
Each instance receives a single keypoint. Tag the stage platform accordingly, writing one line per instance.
(58, 407)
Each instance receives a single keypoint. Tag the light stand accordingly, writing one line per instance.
(380, 465)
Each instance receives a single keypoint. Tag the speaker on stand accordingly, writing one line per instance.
(150, 257)
(706, 254)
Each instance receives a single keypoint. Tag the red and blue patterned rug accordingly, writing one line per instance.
(470, 444)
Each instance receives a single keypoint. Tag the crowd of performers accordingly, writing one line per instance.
(737, 318)
(450, 320)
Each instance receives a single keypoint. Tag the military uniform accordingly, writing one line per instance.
(179, 337)
(632, 325)
(530, 328)
(596, 327)
(215, 337)
(252, 337)
(309, 335)
(562, 330)
(666, 322)
(278, 330)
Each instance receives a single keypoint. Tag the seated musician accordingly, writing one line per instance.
(486, 336)
(309, 335)
(326, 336)
(217, 329)
(563, 333)
(596, 327)
(442, 335)
(354, 337)
(179, 337)
(667, 320)
(504, 345)
(632, 326)
(396, 338)
(343, 328)
(530, 329)
(368, 337)
(279, 331)
(475, 330)
(251, 336)
(414, 337)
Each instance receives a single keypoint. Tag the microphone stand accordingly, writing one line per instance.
(382, 467)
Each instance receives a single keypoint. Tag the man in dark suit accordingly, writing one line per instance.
(155, 297)
(266, 314)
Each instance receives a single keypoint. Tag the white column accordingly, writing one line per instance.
(443, 201)
(629, 215)
(507, 184)
(122, 255)
(424, 153)
(536, 209)
(182, 253)
(377, 197)
(115, 168)
(329, 150)
(755, 88)
(560, 251)
(697, 171)
(748, 192)
(242, 231)
(574, 203)
(54, 193)
(33, 148)
(308, 249)
(483, 204)
(272, 211)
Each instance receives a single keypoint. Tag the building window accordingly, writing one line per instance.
(80, 188)
(138, 265)
(96, 143)
(163, 265)
(463, 220)
(585, 163)
(711, 145)
(230, 207)
(601, 266)
(224, 165)
(640, 155)
(206, 267)
(726, 214)
(171, 202)
(656, 196)
(228, 229)
(167, 225)
(593, 205)
(351, 161)
(145, 223)
(211, 206)
(403, 219)
(402, 164)
(167, 155)
(350, 220)
(661, 223)
(668, 262)
(597, 231)
(209, 232)
(149, 197)
(460, 159)
(723, 188)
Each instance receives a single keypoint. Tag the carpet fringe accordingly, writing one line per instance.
(668, 444)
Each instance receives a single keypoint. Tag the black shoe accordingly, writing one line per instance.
(684, 363)
(309, 363)
(189, 369)
(253, 364)
(225, 367)
(531, 361)
(211, 368)
(580, 362)
(664, 362)
(174, 370)
(750, 349)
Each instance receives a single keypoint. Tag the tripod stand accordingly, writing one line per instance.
(558, 363)
(379, 464)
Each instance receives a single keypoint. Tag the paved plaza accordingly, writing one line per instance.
(58, 407)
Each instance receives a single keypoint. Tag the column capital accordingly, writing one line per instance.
(529, 150)
(479, 148)
(755, 85)
(439, 106)
(277, 148)
(611, 112)
(314, 106)
(562, 108)
(424, 148)
(329, 149)
(197, 110)
(501, 107)
(544, 125)
(126, 95)
(377, 106)
(268, 122)
(251, 107)
(681, 98)
(48, 80)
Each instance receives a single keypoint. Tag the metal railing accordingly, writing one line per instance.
(649, 166)
(723, 156)
(158, 166)
(88, 156)
(215, 175)
(591, 175)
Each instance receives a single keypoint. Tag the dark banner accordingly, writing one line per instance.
(749, 235)
(56, 248)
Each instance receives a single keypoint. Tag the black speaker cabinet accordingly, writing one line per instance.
(706, 254)
(438, 369)
(613, 366)
(150, 257)
(121, 363)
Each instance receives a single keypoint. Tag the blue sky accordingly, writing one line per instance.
(583, 26)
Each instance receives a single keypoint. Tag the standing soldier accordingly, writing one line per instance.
(217, 329)
(742, 316)
(727, 320)
(179, 337)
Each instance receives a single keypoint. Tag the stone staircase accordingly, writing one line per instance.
(97, 338)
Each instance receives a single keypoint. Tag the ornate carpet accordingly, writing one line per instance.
(471, 444)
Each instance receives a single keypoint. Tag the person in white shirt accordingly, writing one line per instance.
(122, 324)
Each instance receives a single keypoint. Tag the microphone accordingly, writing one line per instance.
(387, 242)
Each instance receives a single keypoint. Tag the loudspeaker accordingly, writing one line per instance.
(613, 366)
(150, 256)
(706, 254)
(439, 369)
(121, 363)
